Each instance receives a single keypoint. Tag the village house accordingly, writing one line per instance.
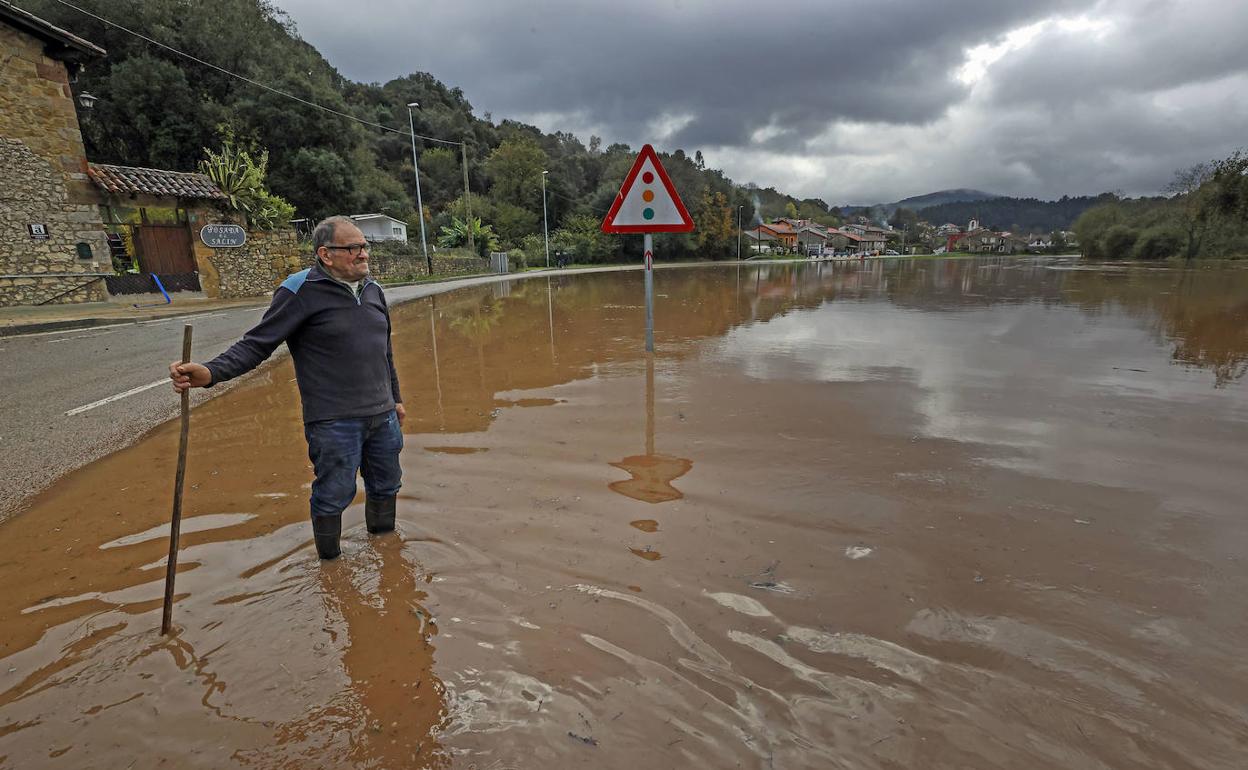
(812, 238)
(379, 227)
(52, 242)
(783, 232)
(864, 239)
(761, 241)
(867, 231)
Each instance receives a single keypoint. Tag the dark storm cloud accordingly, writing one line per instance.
(735, 67)
(844, 100)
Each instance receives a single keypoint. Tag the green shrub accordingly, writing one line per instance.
(1158, 242)
(1118, 242)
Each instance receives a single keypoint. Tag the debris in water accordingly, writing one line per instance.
(590, 741)
(858, 551)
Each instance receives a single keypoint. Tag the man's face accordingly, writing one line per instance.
(338, 257)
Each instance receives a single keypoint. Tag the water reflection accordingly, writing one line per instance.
(392, 704)
(1122, 387)
(651, 473)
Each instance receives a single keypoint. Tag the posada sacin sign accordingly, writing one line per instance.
(223, 236)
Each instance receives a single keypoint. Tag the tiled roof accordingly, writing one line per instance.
(65, 43)
(126, 180)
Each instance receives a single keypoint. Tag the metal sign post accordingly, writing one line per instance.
(649, 247)
(647, 203)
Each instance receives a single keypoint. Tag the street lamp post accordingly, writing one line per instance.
(420, 208)
(739, 232)
(545, 226)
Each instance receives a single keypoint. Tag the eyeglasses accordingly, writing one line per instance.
(353, 249)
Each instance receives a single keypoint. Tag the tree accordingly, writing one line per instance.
(1194, 198)
(148, 115)
(790, 210)
(441, 179)
(1119, 241)
(715, 231)
(515, 171)
(583, 238)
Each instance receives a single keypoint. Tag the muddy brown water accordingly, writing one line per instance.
(947, 514)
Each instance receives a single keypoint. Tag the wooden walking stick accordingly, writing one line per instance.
(175, 525)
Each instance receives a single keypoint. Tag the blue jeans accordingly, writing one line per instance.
(340, 448)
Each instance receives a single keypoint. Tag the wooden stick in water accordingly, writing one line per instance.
(175, 525)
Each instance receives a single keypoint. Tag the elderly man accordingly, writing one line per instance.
(335, 320)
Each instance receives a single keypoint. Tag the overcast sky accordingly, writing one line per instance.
(853, 102)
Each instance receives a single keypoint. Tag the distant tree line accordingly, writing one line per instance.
(1205, 216)
(157, 109)
(1017, 215)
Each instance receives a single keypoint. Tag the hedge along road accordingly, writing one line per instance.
(76, 395)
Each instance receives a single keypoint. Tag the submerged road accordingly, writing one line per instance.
(73, 396)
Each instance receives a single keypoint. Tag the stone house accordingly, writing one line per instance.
(811, 238)
(154, 220)
(52, 241)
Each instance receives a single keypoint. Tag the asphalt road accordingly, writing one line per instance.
(48, 378)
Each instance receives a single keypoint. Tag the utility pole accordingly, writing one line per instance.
(463, 146)
(420, 208)
(739, 232)
(545, 227)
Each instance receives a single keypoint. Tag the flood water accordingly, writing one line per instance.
(902, 514)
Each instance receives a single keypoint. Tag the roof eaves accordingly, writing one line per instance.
(50, 33)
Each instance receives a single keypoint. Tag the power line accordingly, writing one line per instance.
(256, 83)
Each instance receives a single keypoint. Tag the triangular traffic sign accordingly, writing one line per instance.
(647, 202)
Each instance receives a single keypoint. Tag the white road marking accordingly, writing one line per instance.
(118, 397)
(81, 337)
(75, 329)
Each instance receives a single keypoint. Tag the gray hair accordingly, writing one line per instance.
(323, 234)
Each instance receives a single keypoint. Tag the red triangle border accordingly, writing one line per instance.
(608, 225)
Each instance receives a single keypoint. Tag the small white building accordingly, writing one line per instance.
(379, 227)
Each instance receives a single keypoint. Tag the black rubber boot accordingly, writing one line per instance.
(379, 515)
(326, 531)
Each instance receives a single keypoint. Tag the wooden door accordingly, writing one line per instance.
(165, 249)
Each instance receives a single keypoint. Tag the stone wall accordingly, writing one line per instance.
(391, 262)
(446, 265)
(252, 270)
(32, 271)
(43, 179)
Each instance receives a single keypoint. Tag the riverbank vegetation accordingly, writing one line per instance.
(1205, 216)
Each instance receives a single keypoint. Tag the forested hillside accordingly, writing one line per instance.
(1019, 215)
(159, 109)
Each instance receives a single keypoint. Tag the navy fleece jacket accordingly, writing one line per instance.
(340, 344)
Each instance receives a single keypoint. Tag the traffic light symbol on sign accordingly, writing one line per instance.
(647, 201)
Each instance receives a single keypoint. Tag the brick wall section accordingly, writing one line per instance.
(252, 270)
(43, 179)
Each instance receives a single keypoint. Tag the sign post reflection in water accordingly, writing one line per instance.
(648, 203)
(652, 473)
